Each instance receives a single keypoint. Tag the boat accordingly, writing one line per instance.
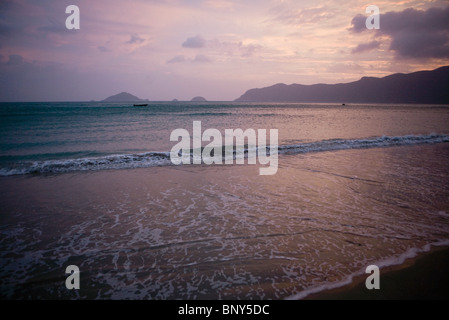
(141, 105)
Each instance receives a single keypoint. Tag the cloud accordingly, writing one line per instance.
(14, 60)
(181, 59)
(219, 4)
(135, 39)
(177, 59)
(358, 23)
(22, 79)
(366, 47)
(201, 59)
(343, 68)
(413, 33)
(233, 47)
(7, 28)
(248, 50)
(53, 26)
(103, 49)
(291, 16)
(194, 42)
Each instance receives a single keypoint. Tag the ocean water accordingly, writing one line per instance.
(92, 184)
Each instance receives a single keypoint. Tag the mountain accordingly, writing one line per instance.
(417, 87)
(198, 99)
(123, 97)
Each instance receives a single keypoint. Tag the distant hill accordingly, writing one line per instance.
(123, 97)
(417, 87)
(198, 99)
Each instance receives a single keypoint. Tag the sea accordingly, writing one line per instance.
(92, 185)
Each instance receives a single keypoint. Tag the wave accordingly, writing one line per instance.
(204, 114)
(123, 161)
(392, 261)
(152, 159)
(375, 142)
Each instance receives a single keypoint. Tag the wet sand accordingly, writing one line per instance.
(225, 232)
(422, 278)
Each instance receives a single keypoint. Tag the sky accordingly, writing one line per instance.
(173, 49)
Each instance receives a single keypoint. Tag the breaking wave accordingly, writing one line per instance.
(152, 159)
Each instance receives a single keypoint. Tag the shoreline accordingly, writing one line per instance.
(423, 277)
(139, 233)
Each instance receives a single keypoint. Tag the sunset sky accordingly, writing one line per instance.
(166, 49)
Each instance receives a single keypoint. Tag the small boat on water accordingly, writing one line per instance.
(141, 105)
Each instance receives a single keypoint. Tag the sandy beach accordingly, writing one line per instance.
(224, 232)
(425, 277)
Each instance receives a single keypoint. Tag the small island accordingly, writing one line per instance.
(123, 97)
(198, 99)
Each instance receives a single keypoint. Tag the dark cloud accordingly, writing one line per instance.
(20, 78)
(135, 39)
(25, 80)
(23, 24)
(9, 5)
(6, 27)
(14, 60)
(53, 26)
(358, 23)
(11, 27)
(413, 33)
(194, 42)
(366, 47)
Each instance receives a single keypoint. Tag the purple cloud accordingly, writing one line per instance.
(363, 47)
(177, 59)
(181, 59)
(30, 80)
(194, 42)
(104, 49)
(201, 58)
(413, 33)
(14, 60)
(135, 39)
(54, 25)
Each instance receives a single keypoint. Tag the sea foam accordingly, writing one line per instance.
(153, 159)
